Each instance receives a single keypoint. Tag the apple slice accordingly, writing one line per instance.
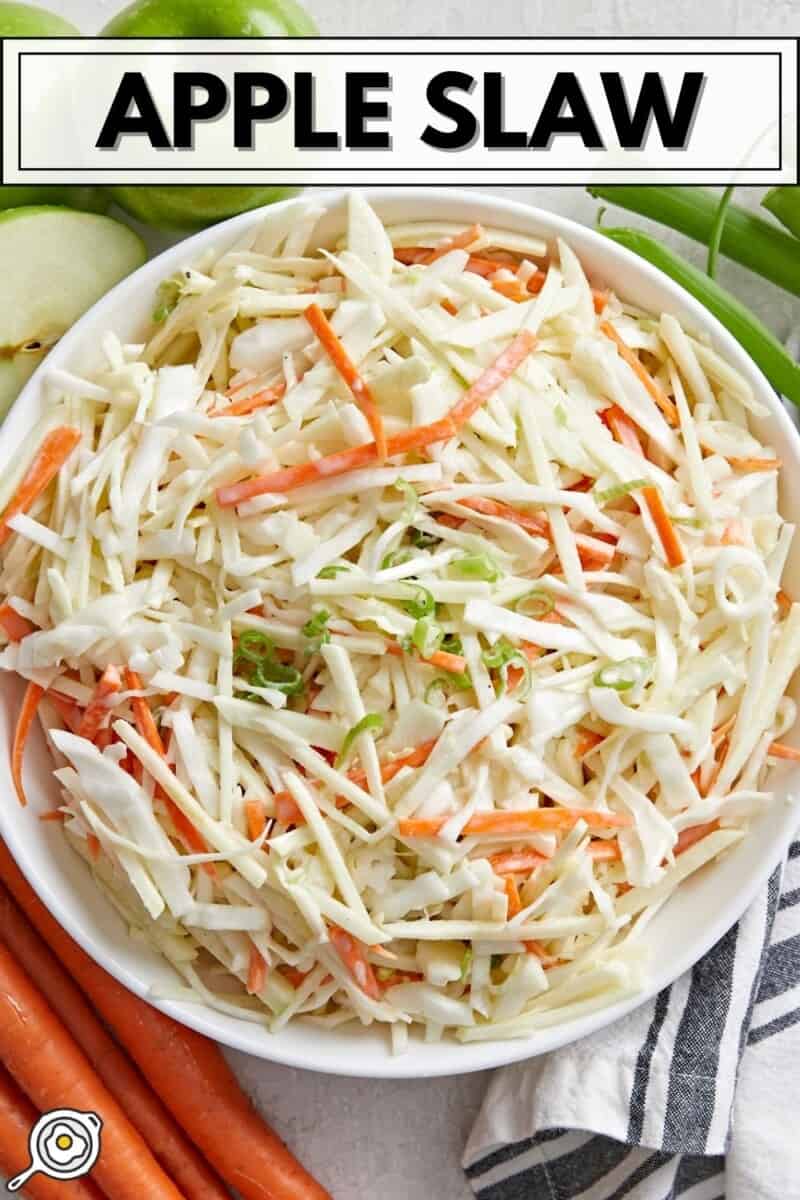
(54, 264)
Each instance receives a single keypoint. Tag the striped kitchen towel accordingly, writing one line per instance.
(693, 1095)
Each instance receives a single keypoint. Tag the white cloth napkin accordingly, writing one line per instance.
(693, 1095)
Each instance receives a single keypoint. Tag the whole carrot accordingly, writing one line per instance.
(17, 1118)
(186, 1070)
(170, 1146)
(53, 1071)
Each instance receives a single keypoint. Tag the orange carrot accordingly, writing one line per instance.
(288, 478)
(30, 705)
(780, 750)
(511, 821)
(13, 625)
(587, 741)
(295, 976)
(449, 307)
(514, 902)
(49, 1066)
(784, 602)
(516, 862)
(93, 844)
(69, 711)
(169, 1145)
(256, 972)
(148, 729)
(605, 850)
(624, 431)
(98, 713)
(695, 833)
(670, 541)
(286, 808)
(332, 344)
(512, 289)
(53, 453)
(456, 664)
(247, 404)
(494, 508)
(17, 1119)
(354, 956)
(459, 242)
(733, 533)
(655, 392)
(256, 816)
(493, 377)
(186, 1070)
(415, 438)
(755, 464)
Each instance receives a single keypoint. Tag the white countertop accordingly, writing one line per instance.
(404, 1138)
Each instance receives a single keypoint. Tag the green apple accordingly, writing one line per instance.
(54, 264)
(28, 20)
(193, 207)
(211, 19)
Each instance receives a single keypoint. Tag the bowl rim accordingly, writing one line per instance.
(237, 1034)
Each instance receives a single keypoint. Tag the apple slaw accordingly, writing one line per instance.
(406, 620)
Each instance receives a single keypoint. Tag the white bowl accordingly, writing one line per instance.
(693, 920)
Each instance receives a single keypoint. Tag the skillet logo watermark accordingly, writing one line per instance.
(372, 111)
(63, 1144)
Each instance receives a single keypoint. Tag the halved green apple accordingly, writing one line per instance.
(54, 264)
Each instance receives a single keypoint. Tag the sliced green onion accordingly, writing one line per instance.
(477, 566)
(254, 647)
(500, 653)
(423, 540)
(316, 630)
(446, 683)
(168, 293)
(716, 231)
(411, 497)
(620, 490)
(272, 674)
(427, 636)
(423, 603)
(332, 571)
(370, 721)
(466, 963)
(452, 644)
(692, 522)
(394, 558)
(536, 604)
(560, 415)
(622, 676)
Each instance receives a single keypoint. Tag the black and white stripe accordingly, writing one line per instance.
(644, 1111)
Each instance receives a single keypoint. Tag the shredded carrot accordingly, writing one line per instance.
(605, 850)
(13, 625)
(534, 947)
(460, 242)
(599, 299)
(30, 705)
(294, 975)
(622, 428)
(511, 821)
(53, 814)
(455, 663)
(256, 817)
(53, 453)
(288, 813)
(449, 307)
(98, 712)
(695, 833)
(755, 464)
(148, 729)
(514, 902)
(494, 508)
(449, 519)
(723, 730)
(256, 972)
(70, 712)
(673, 549)
(349, 372)
(781, 750)
(248, 404)
(784, 602)
(512, 289)
(354, 956)
(415, 438)
(516, 862)
(655, 392)
(587, 741)
(93, 844)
